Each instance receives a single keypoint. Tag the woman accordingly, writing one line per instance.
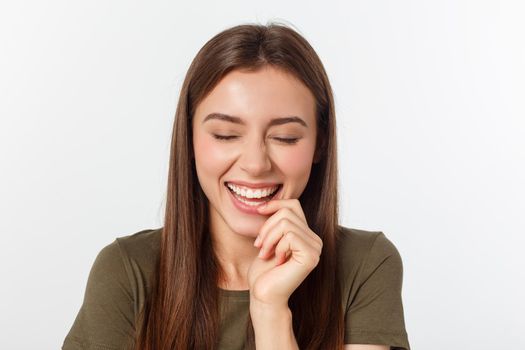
(251, 254)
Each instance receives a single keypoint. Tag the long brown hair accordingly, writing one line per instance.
(181, 312)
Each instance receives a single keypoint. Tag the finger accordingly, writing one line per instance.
(276, 204)
(281, 258)
(273, 234)
(277, 219)
(276, 234)
(274, 220)
(293, 246)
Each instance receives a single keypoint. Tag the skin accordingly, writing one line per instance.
(289, 249)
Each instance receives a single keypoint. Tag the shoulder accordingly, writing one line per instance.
(355, 246)
(371, 273)
(139, 251)
(144, 244)
(117, 284)
(362, 253)
(126, 267)
(141, 247)
(127, 259)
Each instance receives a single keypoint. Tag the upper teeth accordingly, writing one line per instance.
(249, 193)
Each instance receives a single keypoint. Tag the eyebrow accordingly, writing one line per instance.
(237, 120)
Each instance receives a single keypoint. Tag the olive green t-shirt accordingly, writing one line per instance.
(120, 278)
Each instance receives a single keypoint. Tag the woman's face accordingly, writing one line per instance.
(257, 151)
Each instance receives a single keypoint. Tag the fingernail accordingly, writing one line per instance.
(262, 206)
(257, 240)
(261, 253)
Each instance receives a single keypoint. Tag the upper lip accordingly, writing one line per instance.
(254, 185)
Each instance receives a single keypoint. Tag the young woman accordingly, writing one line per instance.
(251, 254)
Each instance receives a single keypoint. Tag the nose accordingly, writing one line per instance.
(254, 158)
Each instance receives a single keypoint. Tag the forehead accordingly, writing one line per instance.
(258, 96)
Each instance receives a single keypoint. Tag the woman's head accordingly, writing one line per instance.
(255, 128)
(255, 73)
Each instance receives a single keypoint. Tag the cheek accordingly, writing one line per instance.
(210, 160)
(296, 164)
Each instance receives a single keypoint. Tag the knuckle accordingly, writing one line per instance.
(280, 214)
(290, 234)
(283, 223)
(313, 261)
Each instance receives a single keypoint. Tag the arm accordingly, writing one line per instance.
(273, 327)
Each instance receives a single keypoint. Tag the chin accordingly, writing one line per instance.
(248, 228)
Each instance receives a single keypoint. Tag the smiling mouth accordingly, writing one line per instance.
(255, 200)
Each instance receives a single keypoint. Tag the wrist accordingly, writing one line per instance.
(267, 318)
(260, 309)
(273, 326)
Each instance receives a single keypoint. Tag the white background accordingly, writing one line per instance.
(430, 115)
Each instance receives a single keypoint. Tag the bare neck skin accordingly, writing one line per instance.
(235, 254)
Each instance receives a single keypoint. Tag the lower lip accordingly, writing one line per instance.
(248, 209)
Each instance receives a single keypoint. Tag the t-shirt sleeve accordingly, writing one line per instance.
(375, 313)
(105, 320)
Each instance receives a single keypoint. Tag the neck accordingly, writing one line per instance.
(235, 254)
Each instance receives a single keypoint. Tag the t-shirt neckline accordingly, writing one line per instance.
(236, 294)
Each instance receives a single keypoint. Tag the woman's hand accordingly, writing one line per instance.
(289, 251)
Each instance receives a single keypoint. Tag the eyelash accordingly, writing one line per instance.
(289, 141)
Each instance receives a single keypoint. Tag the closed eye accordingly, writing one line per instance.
(221, 137)
(286, 140)
(280, 139)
